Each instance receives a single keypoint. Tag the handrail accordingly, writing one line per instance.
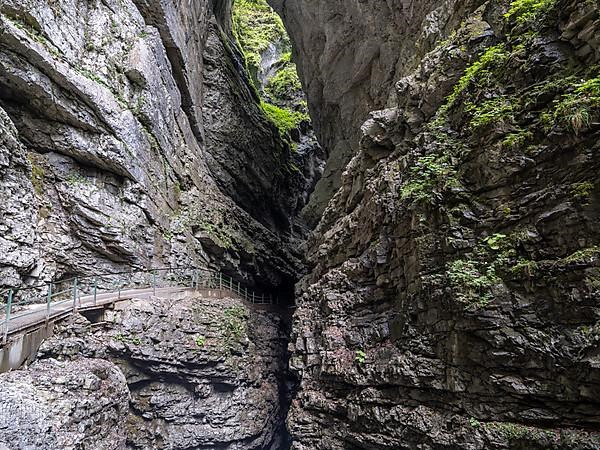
(91, 286)
(100, 274)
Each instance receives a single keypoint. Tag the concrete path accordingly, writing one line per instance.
(39, 314)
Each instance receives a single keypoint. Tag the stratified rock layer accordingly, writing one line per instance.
(137, 141)
(201, 373)
(65, 405)
(453, 300)
(349, 54)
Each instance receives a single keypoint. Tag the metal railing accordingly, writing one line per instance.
(64, 296)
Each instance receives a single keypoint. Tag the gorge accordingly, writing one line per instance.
(431, 229)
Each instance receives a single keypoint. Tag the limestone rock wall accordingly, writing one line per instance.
(453, 299)
(179, 373)
(349, 55)
(130, 156)
(64, 404)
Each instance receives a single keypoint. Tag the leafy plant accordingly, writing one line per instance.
(256, 26)
(200, 341)
(529, 11)
(496, 241)
(481, 69)
(582, 191)
(471, 282)
(494, 111)
(360, 357)
(576, 109)
(284, 119)
(128, 339)
(430, 174)
(474, 422)
(516, 139)
(285, 83)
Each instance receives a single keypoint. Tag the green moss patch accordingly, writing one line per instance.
(256, 26)
(529, 11)
(576, 109)
(284, 119)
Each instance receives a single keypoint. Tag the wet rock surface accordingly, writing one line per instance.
(184, 373)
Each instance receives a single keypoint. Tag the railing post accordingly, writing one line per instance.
(253, 297)
(154, 281)
(74, 293)
(239, 292)
(7, 319)
(220, 285)
(48, 299)
(95, 289)
(246, 293)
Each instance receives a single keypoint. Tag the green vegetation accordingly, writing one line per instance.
(284, 119)
(128, 339)
(496, 241)
(589, 331)
(218, 233)
(516, 139)
(474, 422)
(480, 72)
(37, 175)
(472, 281)
(285, 84)
(524, 267)
(583, 256)
(360, 357)
(256, 25)
(582, 191)
(529, 11)
(514, 431)
(577, 108)
(76, 178)
(34, 33)
(496, 111)
(233, 327)
(430, 175)
(200, 341)
(95, 78)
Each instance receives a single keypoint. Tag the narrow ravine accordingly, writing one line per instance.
(414, 181)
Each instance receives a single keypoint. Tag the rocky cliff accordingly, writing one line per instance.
(160, 374)
(453, 286)
(453, 294)
(132, 137)
(349, 55)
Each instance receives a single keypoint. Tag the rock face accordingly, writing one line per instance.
(178, 373)
(349, 66)
(453, 299)
(135, 140)
(64, 405)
